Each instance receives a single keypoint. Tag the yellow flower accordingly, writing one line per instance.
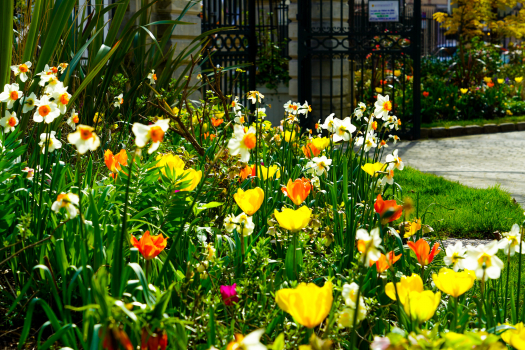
(515, 337)
(487, 79)
(463, 91)
(421, 306)
(372, 169)
(171, 161)
(509, 112)
(518, 79)
(308, 304)
(397, 72)
(454, 283)
(98, 118)
(501, 81)
(404, 287)
(293, 220)
(193, 176)
(289, 136)
(321, 143)
(412, 228)
(270, 172)
(249, 201)
(379, 90)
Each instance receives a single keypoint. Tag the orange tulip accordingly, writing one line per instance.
(388, 210)
(249, 170)
(114, 162)
(310, 151)
(298, 190)
(216, 122)
(115, 336)
(149, 246)
(422, 250)
(385, 261)
(153, 341)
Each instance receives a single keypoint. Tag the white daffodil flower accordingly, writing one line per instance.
(368, 244)
(242, 142)
(73, 119)
(394, 161)
(455, 255)
(61, 97)
(69, 201)
(119, 101)
(11, 94)
(152, 77)
(21, 70)
(382, 106)
(9, 122)
(84, 139)
(329, 123)
(29, 103)
(46, 111)
(154, 133)
(511, 241)
(50, 141)
(483, 261)
(319, 166)
(343, 130)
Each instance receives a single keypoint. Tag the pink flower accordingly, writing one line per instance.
(229, 294)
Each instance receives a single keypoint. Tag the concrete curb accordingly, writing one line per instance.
(454, 131)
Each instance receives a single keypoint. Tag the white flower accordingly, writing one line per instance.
(255, 96)
(119, 101)
(455, 254)
(345, 318)
(391, 122)
(29, 103)
(46, 111)
(230, 223)
(73, 119)
(319, 166)
(250, 342)
(349, 294)
(358, 113)
(291, 107)
(30, 172)
(319, 127)
(343, 129)
(236, 105)
(11, 94)
(239, 119)
(260, 112)
(329, 123)
(48, 71)
(84, 139)
(155, 133)
(394, 161)
(369, 142)
(511, 241)
(68, 201)
(22, 70)
(61, 97)
(152, 77)
(305, 109)
(242, 142)
(52, 142)
(53, 83)
(383, 106)
(315, 182)
(361, 106)
(9, 121)
(368, 244)
(380, 343)
(62, 67)
(483, 260)
(388, 178)
(395, 138)
(246, 223)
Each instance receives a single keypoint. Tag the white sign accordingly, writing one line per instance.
(383, 11)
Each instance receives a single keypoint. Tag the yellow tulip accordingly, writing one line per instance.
(218, 115)
(249, 201)
(321, 143)
(289, 136)
(193, 176)
(372, 169)
(515, 337)
(421, 306)
(518, 79)
(171, 161)
(293, 220)
(379, 90)
(412, 228)
(454, 283)
(463, 91)
(269, 172)
(397, 72)
(501, 81)
(404, 287)
(308, 304)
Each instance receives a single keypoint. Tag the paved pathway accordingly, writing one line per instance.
(479, 160)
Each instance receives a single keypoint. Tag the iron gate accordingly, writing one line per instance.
(344, 58)
(255, 23)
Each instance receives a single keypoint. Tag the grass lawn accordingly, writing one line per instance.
(455, 210)
(481, 122)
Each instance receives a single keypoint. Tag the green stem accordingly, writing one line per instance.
(454, 324)
(507, 287)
